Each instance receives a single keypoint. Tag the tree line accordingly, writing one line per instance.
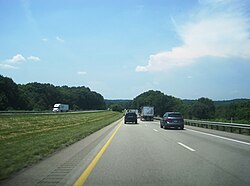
(39, 97)
(238, 111)
(202, 108)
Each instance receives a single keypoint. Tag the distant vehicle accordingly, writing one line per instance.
(130, 117)
(147, 113)
(172, 120)
(60, 107)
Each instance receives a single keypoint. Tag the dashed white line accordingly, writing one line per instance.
(229, 139)
(185, 146)
(155, 130)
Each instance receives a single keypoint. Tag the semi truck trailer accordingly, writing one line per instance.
(147, 113)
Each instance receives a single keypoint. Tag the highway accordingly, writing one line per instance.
(145, 154)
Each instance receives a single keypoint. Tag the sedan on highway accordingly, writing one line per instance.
(172, 120)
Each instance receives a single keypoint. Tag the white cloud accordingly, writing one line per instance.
(60, 39)
(7, 66)
(16, 59)
(219, 32)
(34, 58)
(141, 69)
(81, 73)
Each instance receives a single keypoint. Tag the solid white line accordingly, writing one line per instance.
(229, 139)
(187, 147)
(155, 130)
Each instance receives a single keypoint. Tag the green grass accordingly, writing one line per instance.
(28, 138)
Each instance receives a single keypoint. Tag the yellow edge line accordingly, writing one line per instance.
(81, 180)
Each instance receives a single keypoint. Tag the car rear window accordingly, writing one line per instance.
(175, 115)
(130, 114)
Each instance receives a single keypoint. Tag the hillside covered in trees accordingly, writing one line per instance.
(159, 100)
(203, 108)
(37, 96)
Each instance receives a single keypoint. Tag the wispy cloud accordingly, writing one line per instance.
(44, 39)
(60, 39)
(16, 60)
(81, 73)
(217, 29)
(27, 9)
(34, 58)
(7, 66)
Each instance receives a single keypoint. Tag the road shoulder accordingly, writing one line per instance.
(234, 136)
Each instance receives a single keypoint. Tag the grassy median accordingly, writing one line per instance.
(28, 138)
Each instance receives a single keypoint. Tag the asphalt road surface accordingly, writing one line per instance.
(144, 154)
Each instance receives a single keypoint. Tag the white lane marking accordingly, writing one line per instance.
(229, 139)
(146, 125)
(185, 146)
(155, 130)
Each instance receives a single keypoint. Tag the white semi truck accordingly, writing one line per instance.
(147, 113)
(60, 107)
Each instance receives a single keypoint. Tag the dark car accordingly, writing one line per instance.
(172, 120)
(130, 117)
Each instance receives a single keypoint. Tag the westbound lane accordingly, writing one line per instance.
(144, 154)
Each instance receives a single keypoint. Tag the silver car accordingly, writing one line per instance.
(172, 120)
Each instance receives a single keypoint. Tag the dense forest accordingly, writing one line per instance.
(39, 97)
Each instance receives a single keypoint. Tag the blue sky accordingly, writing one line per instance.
(184, 48)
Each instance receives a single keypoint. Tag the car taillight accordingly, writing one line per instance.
(168, 119)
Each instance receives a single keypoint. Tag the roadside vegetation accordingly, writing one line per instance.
(237, 111)
(28, 138)
(39, 97)
(42, 97)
